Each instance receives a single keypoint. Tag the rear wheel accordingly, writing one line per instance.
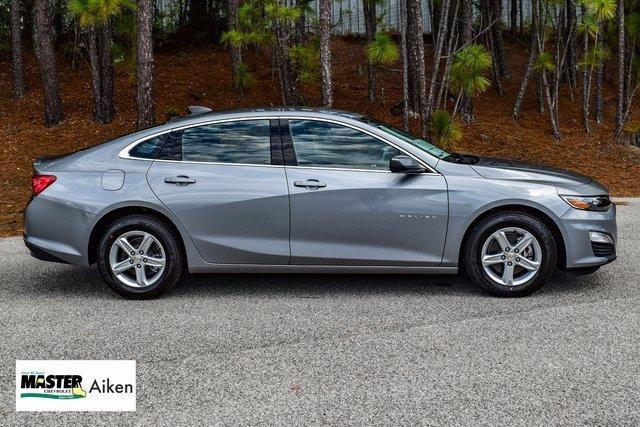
(140, 257)
(510, 254)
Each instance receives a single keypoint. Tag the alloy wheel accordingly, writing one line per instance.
(137, 259)
(511, 256)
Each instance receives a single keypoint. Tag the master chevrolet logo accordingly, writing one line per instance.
(52, 386)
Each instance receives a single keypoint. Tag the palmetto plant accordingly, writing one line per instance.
(602, 9)
(544, 63)
(306, 61)
(467, 75)
(382, 51)
(445, 130)
(96, 12)
(243, 79)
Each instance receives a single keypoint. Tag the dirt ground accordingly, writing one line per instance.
(202, 77)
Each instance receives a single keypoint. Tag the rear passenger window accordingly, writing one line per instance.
(147, 149)
(246, 141)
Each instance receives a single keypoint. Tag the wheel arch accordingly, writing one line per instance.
(539, 214)
(107, 219)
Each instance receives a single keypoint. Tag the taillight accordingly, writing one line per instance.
(40, 182)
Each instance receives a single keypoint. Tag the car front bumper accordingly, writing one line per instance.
(584, 234)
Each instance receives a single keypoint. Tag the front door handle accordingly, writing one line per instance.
(180, 180)
(310, 183)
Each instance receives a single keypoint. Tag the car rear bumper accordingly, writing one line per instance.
(55, 232)
(582, 232)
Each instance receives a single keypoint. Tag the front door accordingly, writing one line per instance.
(220, 181)
(347, 208)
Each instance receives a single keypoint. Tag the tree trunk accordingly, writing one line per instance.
(452, 45)
(598, 92)
(620, 99)
(47, 60)
(144, 64)
(487, 16)
(523, 87)
(106, 73)
(466, 31)
(514, 16)
(552, 114)
(16, 50)
(94, 63)
(300, 23)
(572, 61)
(436, 12)
(532, 56)
(405, 65)
(586, 89)
(498, 40)
(326, 91)
(437, 54)
(235, 52)
(369, 12)
(415, 46)
(290, 95)
(76, 44)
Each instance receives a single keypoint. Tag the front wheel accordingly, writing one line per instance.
(140, 257)
(510, 254)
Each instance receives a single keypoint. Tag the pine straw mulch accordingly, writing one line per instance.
(202, 77)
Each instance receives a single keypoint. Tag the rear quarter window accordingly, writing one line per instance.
(147, 149)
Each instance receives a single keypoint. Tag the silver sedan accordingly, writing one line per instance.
(304, 190)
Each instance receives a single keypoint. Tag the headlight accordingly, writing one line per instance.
(589, 203)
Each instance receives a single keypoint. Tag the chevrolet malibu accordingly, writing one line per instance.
(310, 191)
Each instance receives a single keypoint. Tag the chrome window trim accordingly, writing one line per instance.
(195, 162)
(124, 153)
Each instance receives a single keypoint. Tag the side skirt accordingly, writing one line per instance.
(322, 269)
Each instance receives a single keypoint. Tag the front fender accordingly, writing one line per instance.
(470, 198)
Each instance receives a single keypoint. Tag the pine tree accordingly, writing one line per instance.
(17, 71)
(144, 64)
(46, 55)
(326, 90)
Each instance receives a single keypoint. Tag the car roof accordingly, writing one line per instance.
(269, 111)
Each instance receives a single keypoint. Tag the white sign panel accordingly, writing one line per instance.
(75, 385)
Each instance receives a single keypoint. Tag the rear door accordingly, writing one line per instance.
(347, 208)
(229, 189)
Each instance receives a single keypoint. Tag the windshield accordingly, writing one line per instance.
(411, 139)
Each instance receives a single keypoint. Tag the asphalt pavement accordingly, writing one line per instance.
(326, 349)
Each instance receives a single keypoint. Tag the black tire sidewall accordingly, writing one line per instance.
(495, 222)
(167, 238)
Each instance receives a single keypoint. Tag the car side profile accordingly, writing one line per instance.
(284, 190)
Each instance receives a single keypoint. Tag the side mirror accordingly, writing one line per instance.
(405, 164)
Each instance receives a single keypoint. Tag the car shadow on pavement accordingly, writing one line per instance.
(86, 282)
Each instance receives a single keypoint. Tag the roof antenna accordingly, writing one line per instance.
(196, 109)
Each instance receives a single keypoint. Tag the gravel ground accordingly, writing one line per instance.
(312, 349)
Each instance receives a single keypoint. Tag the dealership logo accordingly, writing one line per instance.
(52, 386)
(79, 385)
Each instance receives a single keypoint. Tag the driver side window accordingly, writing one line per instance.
(330, 145)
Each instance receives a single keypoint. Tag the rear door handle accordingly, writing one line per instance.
(310, 183)
(180, 180)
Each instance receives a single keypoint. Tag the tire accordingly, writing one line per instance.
(144, 275)
(501, 261)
